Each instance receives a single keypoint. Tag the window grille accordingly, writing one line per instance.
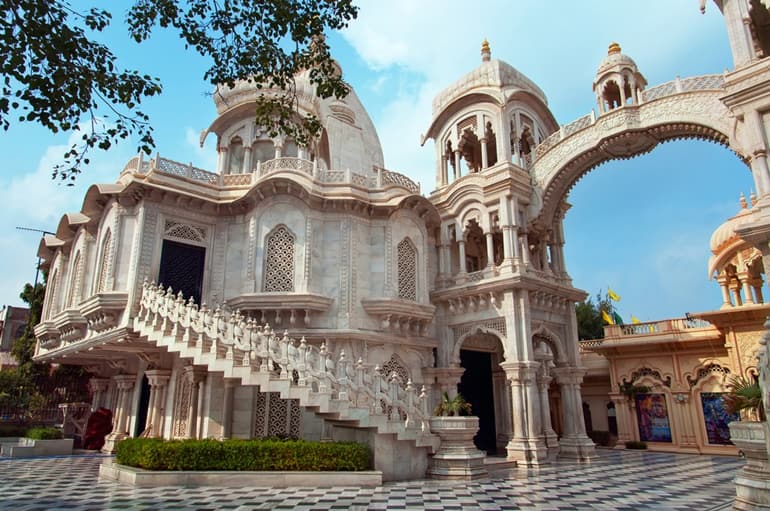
(407, 271)
(279, 261)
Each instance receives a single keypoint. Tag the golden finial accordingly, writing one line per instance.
(613, 49)
(486, 53)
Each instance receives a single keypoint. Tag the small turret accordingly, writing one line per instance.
(618, 81)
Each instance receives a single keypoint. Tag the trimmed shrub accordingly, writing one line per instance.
(44, 434)
(631, 444)
(255, 455)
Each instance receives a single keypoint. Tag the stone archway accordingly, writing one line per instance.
(690, 108)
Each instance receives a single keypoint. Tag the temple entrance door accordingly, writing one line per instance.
(477, 388)
(143, 408)
(181, 267)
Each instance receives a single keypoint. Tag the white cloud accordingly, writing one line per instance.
(32, 199)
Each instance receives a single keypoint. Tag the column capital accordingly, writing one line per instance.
(569, 375)
(158, 377)
(195, 374)
(98, 384)
(125, 381)
(520, 372)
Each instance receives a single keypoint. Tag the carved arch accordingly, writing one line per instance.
(476, 330)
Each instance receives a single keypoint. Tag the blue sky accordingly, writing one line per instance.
(641, 226)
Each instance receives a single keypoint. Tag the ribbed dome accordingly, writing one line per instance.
(615, 58)
(490, 74)
(725, 233)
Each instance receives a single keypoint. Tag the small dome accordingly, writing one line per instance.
(492, 73)
(616, 59)
(725, 233)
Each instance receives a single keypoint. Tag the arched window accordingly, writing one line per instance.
(407, 270)
(101, 283)
(73, 294)
(279, 261)
(236, 156)
(50, 295)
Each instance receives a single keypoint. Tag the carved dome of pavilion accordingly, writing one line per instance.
(616, 59)
(723, 235)
(491, 75)
(348, 131)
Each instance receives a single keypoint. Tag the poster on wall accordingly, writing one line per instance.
(716, 418)
(652, 414)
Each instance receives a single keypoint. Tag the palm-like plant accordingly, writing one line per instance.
(745, 396)
(452, 406)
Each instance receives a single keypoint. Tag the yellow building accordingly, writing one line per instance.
(663, 381)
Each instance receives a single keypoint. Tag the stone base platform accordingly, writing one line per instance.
(152, 478)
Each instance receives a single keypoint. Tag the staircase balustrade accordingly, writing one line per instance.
(243, 341)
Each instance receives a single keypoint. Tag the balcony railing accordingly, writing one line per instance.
(379, 178)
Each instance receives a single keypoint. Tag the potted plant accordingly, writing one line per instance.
(457, 456)
(750, 436)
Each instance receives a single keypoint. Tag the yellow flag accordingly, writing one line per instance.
(613, 295)
(607, 318)
(634, 319)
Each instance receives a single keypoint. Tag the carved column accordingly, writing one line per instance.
(574, 443)
(484, 158)
(461, 250)
(221, 159)
(158, 379)
(457, 164)
(626, 423)
(524, 245)
(98, 388)
(743, 277)
(551, 439)
(723, 284)
(527, 446)
(246, 168)
(196, 376)
(125, 383)
(227, 407)
(682, 409)
(490, 250)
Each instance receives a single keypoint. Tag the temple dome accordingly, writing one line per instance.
(725, 233)
(616, 59)
(491, 75)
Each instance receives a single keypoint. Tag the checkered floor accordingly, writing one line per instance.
(617, 480)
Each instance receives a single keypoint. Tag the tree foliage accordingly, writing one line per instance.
(53, 72)
(589, 317)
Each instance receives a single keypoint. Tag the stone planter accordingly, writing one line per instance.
(752, 483)
(457, 456)
(29, 447)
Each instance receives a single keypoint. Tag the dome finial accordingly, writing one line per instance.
(486, 53)
(753, 198)
(613, 49)
(743, 201)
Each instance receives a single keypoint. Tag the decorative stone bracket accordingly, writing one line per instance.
(401, 316)
(103, 310)
(280, 308)
(473, 303)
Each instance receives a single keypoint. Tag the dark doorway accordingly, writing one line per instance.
(181, 267)
(476, 388)
(144, 406)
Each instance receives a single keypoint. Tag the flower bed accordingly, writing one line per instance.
(240, 455)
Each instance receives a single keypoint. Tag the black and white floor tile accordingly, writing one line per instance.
(616, 480)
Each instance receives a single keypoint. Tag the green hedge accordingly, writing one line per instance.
(44, 434)
(259, 454)
(631, 444)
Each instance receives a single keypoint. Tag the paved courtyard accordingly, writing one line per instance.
(617, 480)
